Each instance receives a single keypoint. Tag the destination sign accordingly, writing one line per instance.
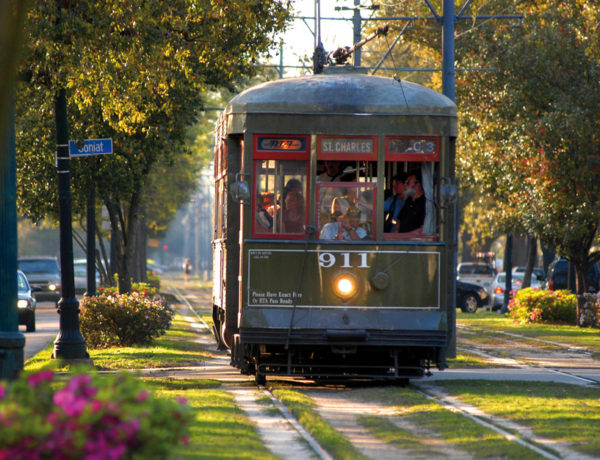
(281, 144)
(346, 145)
(412, 146)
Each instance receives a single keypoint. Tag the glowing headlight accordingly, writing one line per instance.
(52, 287)
(22, 303)
(345, 286)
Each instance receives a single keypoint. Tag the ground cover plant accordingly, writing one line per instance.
(453, 428)
(88, 416)
(559, 412)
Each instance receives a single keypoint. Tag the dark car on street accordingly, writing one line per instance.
(558, 276)
(25, 303)
(43, 274)
(470, 297)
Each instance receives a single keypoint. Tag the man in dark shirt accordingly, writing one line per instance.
(412, 215)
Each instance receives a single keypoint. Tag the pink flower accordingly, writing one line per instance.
(181, 400)
(142, 396)
(2, 391)
(35, 379)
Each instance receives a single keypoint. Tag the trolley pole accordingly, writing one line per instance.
(448, 22)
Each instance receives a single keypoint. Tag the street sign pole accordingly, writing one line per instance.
(69, 343)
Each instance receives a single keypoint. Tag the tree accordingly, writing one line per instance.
(135, 71)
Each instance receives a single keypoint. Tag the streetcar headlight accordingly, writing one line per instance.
(52, 287)
(345, 286)
(22, 303)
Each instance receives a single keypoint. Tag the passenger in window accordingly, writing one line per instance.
(264, 221)
(412, 215)
(394, 203)
(293, 207)
(334, 172)
(346, 229)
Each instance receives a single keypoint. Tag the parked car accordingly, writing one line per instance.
(516, 282)
(538, 272)
(80, 273)
(26, 302)
(470, 297)
(477, 273)
(42, 273)
(558, 273)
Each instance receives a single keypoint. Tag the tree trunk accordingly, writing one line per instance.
(531, 257)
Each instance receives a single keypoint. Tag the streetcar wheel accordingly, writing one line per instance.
(470, 303)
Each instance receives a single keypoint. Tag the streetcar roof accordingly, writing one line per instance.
(342, 94)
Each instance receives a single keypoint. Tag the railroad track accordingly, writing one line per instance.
(281, 430)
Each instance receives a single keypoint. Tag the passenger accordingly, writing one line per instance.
(347, 229)
(264, 221)
(394, 203)
(334, 172)
(412, 215)
(293, 207)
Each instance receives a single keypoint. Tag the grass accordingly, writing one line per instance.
(465, 359)
(220, 430)
(569, 335)
(303, 408)
(560, 412)
(435, 421)
(176, 348)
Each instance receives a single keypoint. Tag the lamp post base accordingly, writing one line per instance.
(12, 346)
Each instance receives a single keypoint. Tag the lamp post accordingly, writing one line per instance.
(69, 343)
(12, 341)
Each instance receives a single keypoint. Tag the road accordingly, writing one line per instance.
(46, 319)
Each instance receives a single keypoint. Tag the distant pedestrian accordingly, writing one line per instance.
(187, 269)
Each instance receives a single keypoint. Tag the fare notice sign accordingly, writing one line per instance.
(91, 147)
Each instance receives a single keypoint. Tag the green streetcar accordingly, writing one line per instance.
(334, 228)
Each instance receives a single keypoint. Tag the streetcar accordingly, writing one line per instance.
(313, 276)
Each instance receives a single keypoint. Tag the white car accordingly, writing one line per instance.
(516, 283)
(476, 273)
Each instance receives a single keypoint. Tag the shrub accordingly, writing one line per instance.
(537, 306)
(111, 319)
(87, 417)
(589, 316)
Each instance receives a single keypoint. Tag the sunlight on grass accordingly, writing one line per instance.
(303, 408)
(564, 413)
(462, 433)
(175, 348)
(570, 335)
(219, 430)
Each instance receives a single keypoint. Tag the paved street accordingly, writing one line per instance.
(46, 329)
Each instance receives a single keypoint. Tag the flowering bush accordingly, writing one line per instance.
(111, 319)
(87, 417)
(536, 306)
(589, 316)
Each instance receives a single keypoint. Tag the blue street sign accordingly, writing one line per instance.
(91, 147)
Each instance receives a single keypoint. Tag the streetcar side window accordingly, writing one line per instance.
(411, 166)
(281, 198)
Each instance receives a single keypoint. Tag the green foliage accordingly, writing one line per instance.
(137, 72)
(88, 416)
(537, 306)
(123, 320)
